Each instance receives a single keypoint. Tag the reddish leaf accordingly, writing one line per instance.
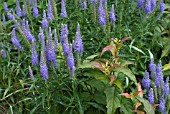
(155, 105)
(126, 95)
(99, 66)
(137, 105)
(124, 39)
(140, 91)
(112, 78)
(111, 48)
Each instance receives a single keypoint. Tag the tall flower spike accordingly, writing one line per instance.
(93, 1)
(161, 105)
(148, 7)
(101, 14)
(78, 45)
(35, 9)
(151, 96)
(55, 39)
(31, 73)
(63, 9)
(70, 60)
(166, 87)
(152, 66)
(10, 16)
(50, 11)
(3, 53)
(162, 6)
(112, 15)
(65, 45)
(43, 65)
(146, 80)
(5, 7)
(34, 54)
(84, 4)
(44, 21)
(30, 37)
(18, 9)
(14, 40)
(64, 33)
(140, 3)
(153, 4)
(30, 2)
(23, 11)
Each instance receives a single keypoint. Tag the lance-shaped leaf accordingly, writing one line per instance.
(127, 95)
(112, 48)
(124, 39)
(127, 72)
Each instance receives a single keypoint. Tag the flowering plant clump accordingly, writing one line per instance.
(157, 86)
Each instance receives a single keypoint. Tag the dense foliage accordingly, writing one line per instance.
(84, 56)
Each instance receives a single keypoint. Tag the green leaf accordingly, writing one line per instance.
(127, 72)
(87, 65)
(137, 49)
(148, 107)
(97, 106)
(112, 100)
(98, 75)
(126, 106)
(166, 67)
(166, 49)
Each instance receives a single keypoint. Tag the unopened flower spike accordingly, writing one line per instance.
(34, 54)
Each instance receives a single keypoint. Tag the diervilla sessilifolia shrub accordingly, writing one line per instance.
(156, 86)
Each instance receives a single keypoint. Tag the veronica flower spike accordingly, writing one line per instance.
(34, 54)
(112, 15)
(148, 7)
(146, 80)
(84, 4)
(63, 9)
(18, 9)
(44, 21)
(140, 3)
(50, 11)
(162, 6)
(101, 14)
(35, 9)
(5, 7)
(23, 11)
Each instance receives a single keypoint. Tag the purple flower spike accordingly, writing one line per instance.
(152, 66)
(64, 33)
(30, 2)
(44, 21)
(140, 3)
(14, 40)
(18, 9)
(84, 4)
(23, 11)
(43, 65)
(10, 16)
(35, 9)
(66, 46)
(148, 7)
(93, 1)
(146, 80)
(162, 6)
(112, 15)
(3, 53)
(166, 87)
(151, 96)
(50, 11)
(63, 9)
(34, 54)
(55, 39)
(101, 14)
(78, 45)
(161, 105)
(5, 7)
(153, 4)
(31, 73)
(70, 59)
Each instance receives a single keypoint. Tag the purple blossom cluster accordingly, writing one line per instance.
(159, 86)
(150, 5)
